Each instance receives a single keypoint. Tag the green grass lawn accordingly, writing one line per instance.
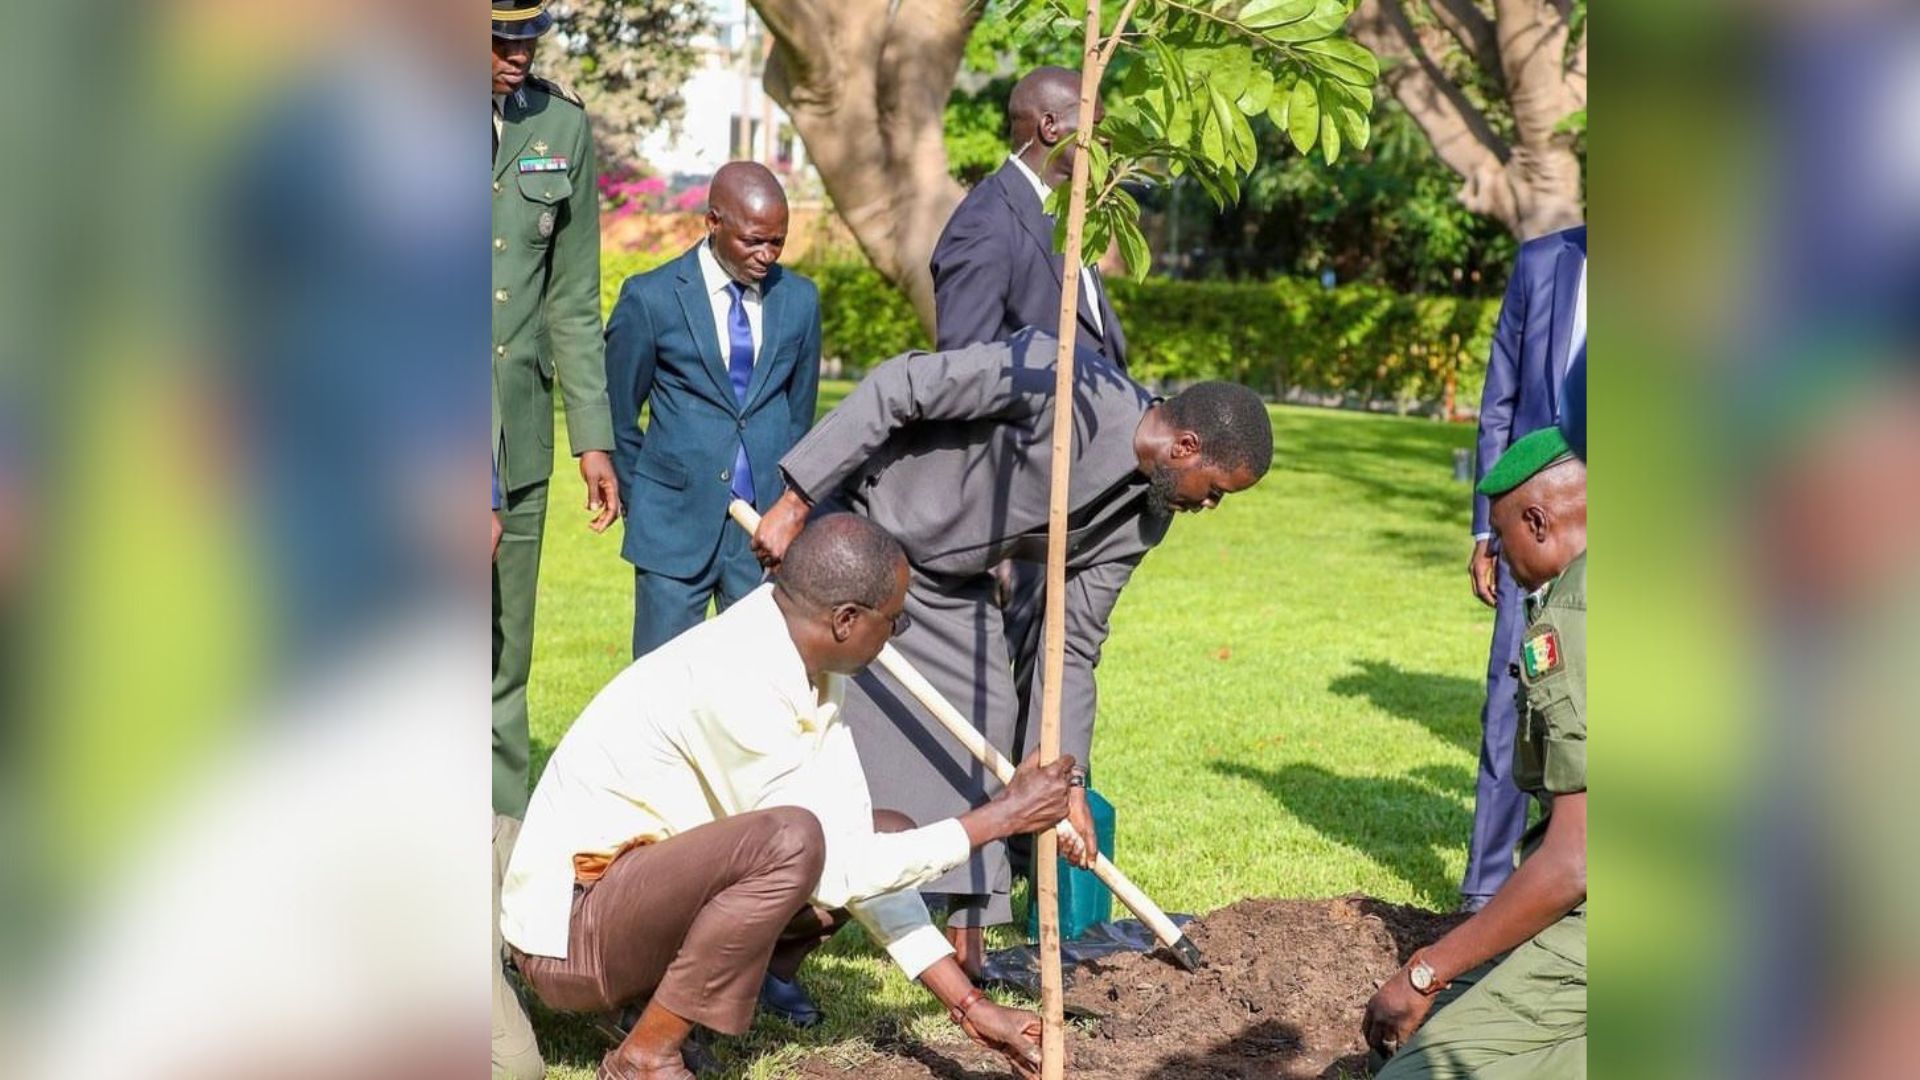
(1289, 702)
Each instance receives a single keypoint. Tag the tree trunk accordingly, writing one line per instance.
(866, 83)
(1531, 184)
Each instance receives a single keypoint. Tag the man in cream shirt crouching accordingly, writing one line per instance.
(707, 814)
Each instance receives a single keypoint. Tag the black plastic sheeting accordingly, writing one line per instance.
(1018, 968)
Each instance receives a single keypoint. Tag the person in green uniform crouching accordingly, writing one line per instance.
(546, 330)
(1508, 987)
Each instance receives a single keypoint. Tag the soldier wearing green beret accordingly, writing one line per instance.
(546, 331)
(1507, 989)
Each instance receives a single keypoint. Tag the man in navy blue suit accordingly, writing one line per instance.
(1542, 329)
(723, 344)
(994, 268)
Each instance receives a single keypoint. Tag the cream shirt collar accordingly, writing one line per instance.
(714, 276)
(815, 707)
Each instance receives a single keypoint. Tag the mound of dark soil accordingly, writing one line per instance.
(1281, 997)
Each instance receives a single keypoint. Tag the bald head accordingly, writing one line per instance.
(842, 559)
(842, 587)
(1043, 110)
(746, 220)
(1542, 524)
(745, 186)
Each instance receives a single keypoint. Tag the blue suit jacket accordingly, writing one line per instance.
(995, 271)
(663, 350)
(1530, 345)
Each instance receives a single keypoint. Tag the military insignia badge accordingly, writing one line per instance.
(556, 163)
(1541, 653)
(546, 224)
(540, 148)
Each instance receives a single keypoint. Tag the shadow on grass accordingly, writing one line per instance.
(1447, 705)
(1409, 464)
(1427, 550)
(1399, 822)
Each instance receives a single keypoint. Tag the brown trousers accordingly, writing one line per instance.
(689, 922)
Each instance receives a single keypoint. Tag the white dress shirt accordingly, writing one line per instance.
(1086, 272)
(1578, 340)
(721, 298)
(720, 721)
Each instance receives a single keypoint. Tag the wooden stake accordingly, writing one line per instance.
(1053, 1061)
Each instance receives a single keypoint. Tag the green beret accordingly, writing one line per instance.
(1524, 459)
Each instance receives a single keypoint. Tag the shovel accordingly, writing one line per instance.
(1185, 952)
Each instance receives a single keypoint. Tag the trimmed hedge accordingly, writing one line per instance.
(1290, 337)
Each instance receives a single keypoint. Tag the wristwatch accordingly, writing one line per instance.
(1421, 975)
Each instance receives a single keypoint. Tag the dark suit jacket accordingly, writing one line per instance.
(995, 271)
(663, 351)
(951, 452)
(1530, 345)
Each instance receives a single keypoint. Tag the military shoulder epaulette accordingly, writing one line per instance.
(557, 89)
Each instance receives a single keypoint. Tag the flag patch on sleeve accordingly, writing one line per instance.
(1541, 653)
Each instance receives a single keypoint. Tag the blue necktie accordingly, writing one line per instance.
(740, 371)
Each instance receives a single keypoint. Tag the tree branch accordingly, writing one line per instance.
(1460, 135)
(1119, 31)
(1577, 68)
(1471, 27)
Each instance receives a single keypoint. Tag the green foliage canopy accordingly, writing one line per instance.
(1191, 74)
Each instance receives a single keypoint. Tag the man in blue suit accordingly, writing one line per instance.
(994, 268)
(723, 344)
(1542, 329)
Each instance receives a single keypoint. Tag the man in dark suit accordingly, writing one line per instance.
(994, 269)
(994, 272)
(1542, 328)
(723, 344)
(951, 453)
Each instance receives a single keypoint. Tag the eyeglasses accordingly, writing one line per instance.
(901, 622)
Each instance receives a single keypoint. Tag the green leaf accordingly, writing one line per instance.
(1232, 70)
(1133, 248)
(1327, 18)
(1172, 71)
(1303, 116)
(1094, 236)
(1263, 14)
(1241, 148)
(1344, 60)
(1259, 92)
(1329, 137)
(1212, 139)
(1278, 109)
(1077, 9)
(1350, 106)
(1180, 122)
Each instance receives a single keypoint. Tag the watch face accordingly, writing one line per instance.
(1422, 977)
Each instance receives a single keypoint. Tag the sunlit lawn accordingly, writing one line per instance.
(1289, 702)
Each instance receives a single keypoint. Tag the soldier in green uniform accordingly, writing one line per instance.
(546, 330)
(1508, 987)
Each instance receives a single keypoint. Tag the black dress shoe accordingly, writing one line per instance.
(789, 1002)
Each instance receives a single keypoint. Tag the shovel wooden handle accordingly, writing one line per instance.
(976, 744)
